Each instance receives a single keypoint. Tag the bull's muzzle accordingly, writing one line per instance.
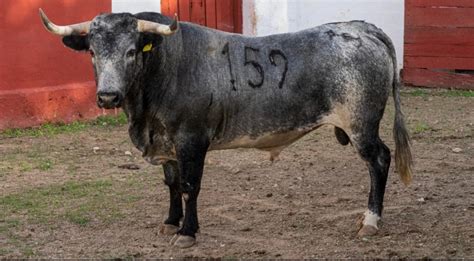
(109, 100)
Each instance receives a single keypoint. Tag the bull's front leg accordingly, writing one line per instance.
(191, 153)
(172, 179)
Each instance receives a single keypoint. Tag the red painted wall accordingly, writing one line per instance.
(225, 15)
(40, 79)
(439, 43)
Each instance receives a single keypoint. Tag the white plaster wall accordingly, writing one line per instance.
(248, 17)
(272, 11)
(263, 17)
(136, 6)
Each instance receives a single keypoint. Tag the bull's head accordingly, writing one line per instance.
(116, 43)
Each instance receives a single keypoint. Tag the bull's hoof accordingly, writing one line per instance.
(367, 224)
(183, 241)
(168, 229)
(367, 231)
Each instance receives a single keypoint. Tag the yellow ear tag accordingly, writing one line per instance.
(147, 47)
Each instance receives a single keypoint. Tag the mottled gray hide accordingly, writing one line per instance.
(256, 92)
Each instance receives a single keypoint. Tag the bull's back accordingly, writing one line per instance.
(274, 89)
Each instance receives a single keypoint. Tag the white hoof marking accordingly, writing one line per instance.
(370, 219)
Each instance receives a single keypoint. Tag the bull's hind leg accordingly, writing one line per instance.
(172, 179)
(377, 156)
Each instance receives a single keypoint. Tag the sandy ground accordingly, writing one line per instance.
(62, 198)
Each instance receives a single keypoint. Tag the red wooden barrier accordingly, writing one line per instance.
(439, 43)
(225, 15)
(40, 79)
(211, 18)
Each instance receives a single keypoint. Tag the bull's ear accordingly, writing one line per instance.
(150, 41)
(76, 42)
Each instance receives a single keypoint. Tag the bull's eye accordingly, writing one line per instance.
(131, 53)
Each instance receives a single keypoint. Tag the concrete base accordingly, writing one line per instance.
(22, 108)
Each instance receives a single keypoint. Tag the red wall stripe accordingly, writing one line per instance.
(32, 58)
(211, 19)
(224, 15)
(439, 43)
(184, 7)
(438, 79)
(440, 3)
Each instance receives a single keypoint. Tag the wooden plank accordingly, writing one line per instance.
(184, 10)
(165, 7)
(431, 35)
(238, 20)
(173, 8)
(169, 7)
(225, 15)
(211, 19)
(436, 79)
(439, 62)
(197, 12)
(439, 3)
(439, 17)
(439, 50)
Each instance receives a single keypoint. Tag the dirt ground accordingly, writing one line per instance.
(64, 195)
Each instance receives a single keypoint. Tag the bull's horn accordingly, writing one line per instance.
(157, 28)
(74, 29)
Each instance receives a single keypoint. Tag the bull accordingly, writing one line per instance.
(187, 90)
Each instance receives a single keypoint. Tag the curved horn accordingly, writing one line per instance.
(144, 26)
(74, 29)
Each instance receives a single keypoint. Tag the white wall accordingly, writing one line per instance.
(263, 17)
(136, 6)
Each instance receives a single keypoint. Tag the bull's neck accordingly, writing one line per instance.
(158, 78)
(150, 98)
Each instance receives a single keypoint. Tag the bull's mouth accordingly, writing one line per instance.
(157, 160)
(108, 107)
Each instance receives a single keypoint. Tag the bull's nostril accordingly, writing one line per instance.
(108, 100)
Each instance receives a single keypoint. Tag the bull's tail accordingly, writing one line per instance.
(403, 157)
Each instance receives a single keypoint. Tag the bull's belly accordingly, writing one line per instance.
(273, 142)
(276, 141)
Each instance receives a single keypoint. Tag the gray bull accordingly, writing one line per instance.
(187, 89)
